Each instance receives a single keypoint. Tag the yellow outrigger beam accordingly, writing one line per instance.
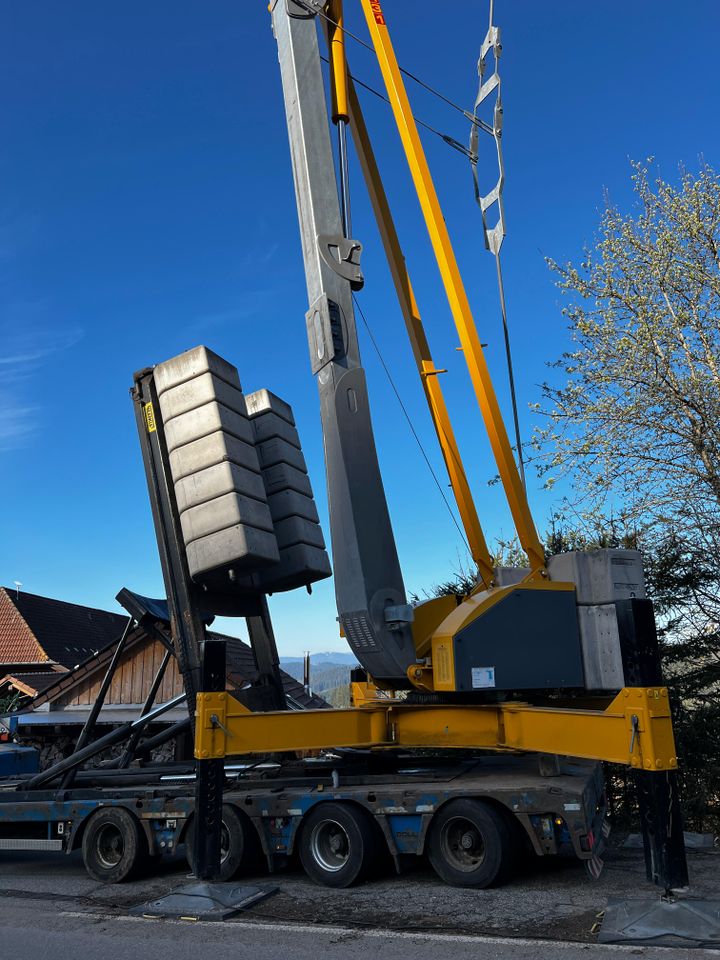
(634, 730)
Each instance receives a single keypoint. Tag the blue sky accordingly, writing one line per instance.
(147, 206)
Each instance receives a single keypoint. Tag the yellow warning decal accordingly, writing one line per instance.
(150, 418)
(443, 661)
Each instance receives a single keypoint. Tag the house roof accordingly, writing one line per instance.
(29, 684)
(241, 670)
(36, 629)
(17, 641)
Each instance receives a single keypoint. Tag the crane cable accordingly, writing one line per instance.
(414, 432)
(468, 114)
(450, 141)
(494, 235)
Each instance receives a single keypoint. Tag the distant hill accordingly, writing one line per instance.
(329, 656)
(329, 672)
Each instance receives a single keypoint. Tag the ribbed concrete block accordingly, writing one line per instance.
(219, 488)
(263, 401)
(299, 565)
(267, 426)
(207, 388)
(284, 477)
(227, 511)
(219, 480)
(294, 530)
(601, 576)
(600, 643)
(191, 364)
(238, 547)
(288, 503)
(211, 450)
(275, 451)
(205, 420)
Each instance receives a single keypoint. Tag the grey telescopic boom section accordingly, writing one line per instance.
(369, 589)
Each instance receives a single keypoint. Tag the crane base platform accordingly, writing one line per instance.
(204, 901)
(662, 922)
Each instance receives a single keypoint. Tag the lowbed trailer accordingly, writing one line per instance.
(119, 827)
(342, 815)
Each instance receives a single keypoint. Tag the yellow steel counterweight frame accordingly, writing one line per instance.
(635, 729)
(454, 288)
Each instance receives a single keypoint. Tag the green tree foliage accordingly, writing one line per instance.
(8, 702)
(636, 424)
(635, 428)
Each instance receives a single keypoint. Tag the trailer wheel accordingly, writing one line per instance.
(470, 844)
(113, 845)
(338, 844)
(239, 845)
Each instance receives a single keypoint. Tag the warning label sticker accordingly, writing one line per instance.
(150, 418)
(482, 677)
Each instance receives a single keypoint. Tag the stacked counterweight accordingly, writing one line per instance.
(245, 501)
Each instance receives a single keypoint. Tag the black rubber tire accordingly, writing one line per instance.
(240, 844)
(470, 844)
(114, 847)
(339, 844)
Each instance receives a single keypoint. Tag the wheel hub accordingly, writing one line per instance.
(467, 841)
(462, 844)
(330, 845)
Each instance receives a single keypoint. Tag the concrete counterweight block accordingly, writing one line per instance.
(303, 558)
(221, 496)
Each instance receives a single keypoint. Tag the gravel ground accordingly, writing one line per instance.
(551, 899)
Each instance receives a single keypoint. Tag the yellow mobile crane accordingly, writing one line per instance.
(559, 658)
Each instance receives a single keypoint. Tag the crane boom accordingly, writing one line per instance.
(371, 601)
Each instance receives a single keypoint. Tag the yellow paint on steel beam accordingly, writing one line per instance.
(603, 736)
(338, 63)
(635, 729)
(427, 617)
(418, 341)
(295, 730)
(454, 288)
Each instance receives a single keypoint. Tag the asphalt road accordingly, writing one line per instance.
(28, 931)
(51, 910)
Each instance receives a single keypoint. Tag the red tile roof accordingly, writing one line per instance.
(61, 632)
(17, 641)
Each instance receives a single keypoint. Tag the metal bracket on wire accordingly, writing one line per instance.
(304, 9)
(494, 235)
(491, 44)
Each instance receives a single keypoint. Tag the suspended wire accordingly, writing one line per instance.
(468, 114)
(410, 423)
(494, 236)
(511, 375)
(450, 141)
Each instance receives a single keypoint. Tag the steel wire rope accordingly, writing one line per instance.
(410, 424)
(495, 235)
(450, 141)
(468, 114)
